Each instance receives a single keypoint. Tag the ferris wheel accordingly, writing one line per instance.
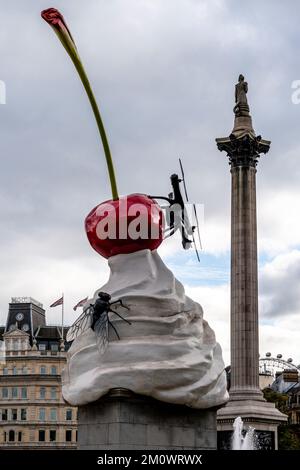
(270, 364)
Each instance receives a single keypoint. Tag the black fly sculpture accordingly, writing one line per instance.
(96, 316)
(176, 214)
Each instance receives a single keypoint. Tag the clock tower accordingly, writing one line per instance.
(26, 314)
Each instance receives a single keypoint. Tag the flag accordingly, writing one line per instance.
(80, 303)
(58, 302)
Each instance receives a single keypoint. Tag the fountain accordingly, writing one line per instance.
(240, 442)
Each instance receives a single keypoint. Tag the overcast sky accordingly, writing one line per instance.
(164, 73)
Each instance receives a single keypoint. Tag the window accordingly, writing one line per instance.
(42, 414)
(54, 347)
(5, 392)
(14, 392)
(53, 370)
(52, 435)
(14, 414)
(41, 435)
(24, 392)
(11, 436)
(20, 436)
(68, 414)
(53, 393)
(42, 347)
(24, 370)
(23, 414)
(53, 414)
(68, 435)
(42, 392)
(5, 371)
(14, 371)
(3, 414)
(43, 370)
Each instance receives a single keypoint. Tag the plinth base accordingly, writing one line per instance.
(123, 420)
(258, 414)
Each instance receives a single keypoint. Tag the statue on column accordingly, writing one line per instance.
(241, 104)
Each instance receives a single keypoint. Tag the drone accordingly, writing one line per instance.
(177, 216)
(96, 316)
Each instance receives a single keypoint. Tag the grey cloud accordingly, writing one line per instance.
(279, 287)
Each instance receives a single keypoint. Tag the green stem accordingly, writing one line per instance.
(85, 81)
(67, 41)
(100, 125)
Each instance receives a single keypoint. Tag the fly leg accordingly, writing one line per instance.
(120, 316)
(121, 303)
(110, 323)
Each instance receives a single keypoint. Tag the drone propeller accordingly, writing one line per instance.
(195, 212)
(197, 222)
(195, 248)
(183, 180)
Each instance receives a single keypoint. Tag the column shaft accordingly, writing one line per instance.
(244, 288)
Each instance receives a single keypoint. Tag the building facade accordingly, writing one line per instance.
(33, 413)
(294, 405)
(287, 382)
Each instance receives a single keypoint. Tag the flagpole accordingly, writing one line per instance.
(62, 317)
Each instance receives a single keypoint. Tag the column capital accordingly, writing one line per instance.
(243, 150)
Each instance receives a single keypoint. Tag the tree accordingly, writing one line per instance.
(288, 439)
(280, 399)
(288, 434)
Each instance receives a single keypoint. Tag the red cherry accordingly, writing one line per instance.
(125, 225)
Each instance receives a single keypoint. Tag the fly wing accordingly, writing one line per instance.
(101, 330)
(82, 323)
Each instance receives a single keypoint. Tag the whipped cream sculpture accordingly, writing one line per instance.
(164, 348)
(169, 352)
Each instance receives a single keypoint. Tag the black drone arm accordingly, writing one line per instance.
(169, 200)
(177, 196)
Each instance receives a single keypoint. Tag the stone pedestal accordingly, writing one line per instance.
(123, 420)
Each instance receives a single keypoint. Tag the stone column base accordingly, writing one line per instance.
(260, 415)
(122, 420)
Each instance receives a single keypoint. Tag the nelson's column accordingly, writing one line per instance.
(243, 148)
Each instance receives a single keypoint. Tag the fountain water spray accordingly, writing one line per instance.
(240, 442)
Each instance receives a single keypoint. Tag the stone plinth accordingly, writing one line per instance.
(123, 420)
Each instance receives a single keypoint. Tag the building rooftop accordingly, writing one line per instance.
(49, 332)
(26, 300)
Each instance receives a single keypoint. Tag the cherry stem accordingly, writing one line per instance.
(69, 45)
(85, 81)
